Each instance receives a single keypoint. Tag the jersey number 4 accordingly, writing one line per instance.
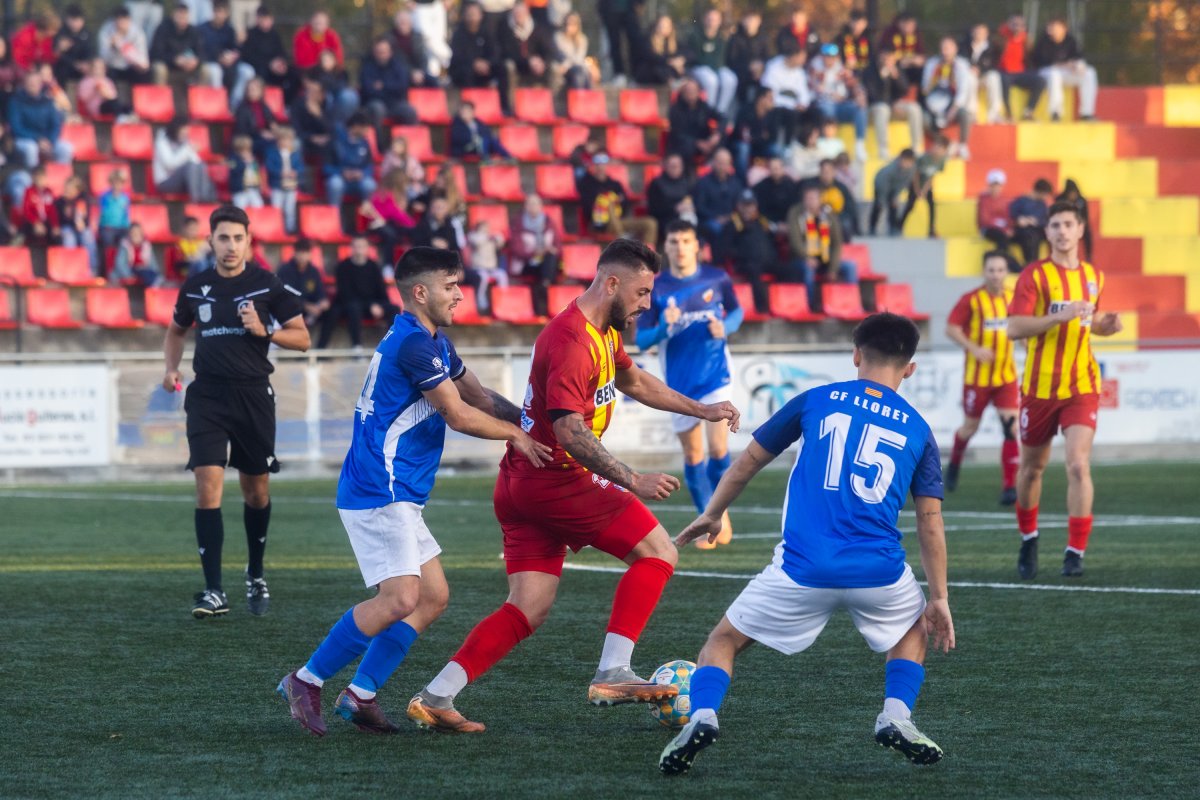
(365, 404)
(867, 455)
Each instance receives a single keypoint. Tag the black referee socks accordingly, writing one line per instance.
(257, 520)
(210, 535)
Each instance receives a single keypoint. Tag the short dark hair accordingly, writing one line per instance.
(73, 11)
(1066, 207)
(122, 13)
(228, 213)
(826, 162)
(908, 152)
(220, 4)
(631, 254)
(942, 139)
(990, 254)
(358, 119)
(190, 220)
(1043, 186)
(418, 261)
(303, 244)
(857, 14)
(679, 226)
(887, 337)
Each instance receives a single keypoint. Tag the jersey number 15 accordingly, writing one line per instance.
(867, 455)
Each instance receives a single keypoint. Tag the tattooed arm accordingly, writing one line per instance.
(579, 441)
(489, 401)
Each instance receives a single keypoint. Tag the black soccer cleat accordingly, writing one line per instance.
(210, 603)
(902, 736)
(1008, 496)
(258, 598)
(1072, 564)
(1027, 560)
(678, 755)
(950, 477)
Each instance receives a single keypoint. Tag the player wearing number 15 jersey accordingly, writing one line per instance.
(863, 450)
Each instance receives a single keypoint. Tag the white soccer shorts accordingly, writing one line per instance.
(390, 541)
(785, 616)
(682, 423)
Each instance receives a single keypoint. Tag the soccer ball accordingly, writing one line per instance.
(676, 712)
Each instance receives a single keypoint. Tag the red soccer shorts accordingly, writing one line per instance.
(541, 516)
(977, 398)
(1041, 419)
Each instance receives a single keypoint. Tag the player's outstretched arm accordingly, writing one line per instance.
(578, 440)
(931, 532)
(956, 334)
(650, 391)
(489, 401)
(173, 355)
(469, 420)
(739, 474)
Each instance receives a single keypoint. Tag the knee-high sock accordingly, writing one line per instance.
(708, 688)
(256, 520)
(344, 643)
(696, 478)
(491, 640)
(903, 679)
(1010, 459)
(960, 448)
(1027, 521)
(637, 594)
(1079, 529)
(716, 470)
(210, 535)
(385, 653)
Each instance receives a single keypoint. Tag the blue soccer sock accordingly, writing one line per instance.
(694, 475)
(708, 688)
(387, 650)
(903, 682)
(344, 643)
(716, 469)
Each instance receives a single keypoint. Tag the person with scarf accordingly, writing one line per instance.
(815, 237)
(946, 92)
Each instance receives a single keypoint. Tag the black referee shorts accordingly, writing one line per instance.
(231, 424)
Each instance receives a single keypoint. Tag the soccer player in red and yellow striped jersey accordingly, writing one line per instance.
(1054, 308)
(979, 325)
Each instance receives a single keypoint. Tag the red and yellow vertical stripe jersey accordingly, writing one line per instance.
(984, 319)
(1059, 363)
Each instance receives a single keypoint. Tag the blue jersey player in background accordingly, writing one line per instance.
(692, 311)
(415, 387)
(863, 450)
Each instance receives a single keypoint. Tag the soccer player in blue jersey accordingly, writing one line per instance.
(863, 449)
(693, 309)
(415, 387)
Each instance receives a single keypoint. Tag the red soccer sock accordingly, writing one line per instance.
(1010, 458)
(1078, 531)
(492, 639)
(637, 594)
(960, 447)
(1027, 521)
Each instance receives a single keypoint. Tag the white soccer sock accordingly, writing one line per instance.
(617, 652)
(706, 715)
(361, 693)
(896, 708)
(449, 682)
(1075, 550)
(1025, 537)
(306, 676)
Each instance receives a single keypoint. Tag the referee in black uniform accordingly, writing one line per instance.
(230, 406)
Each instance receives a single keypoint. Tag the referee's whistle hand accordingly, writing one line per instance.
(250, 320)
(172, 381)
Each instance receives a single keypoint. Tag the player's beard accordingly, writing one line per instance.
(618, 315)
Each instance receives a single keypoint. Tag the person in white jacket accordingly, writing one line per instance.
(787, 78)
(946, 94)
(178, 169)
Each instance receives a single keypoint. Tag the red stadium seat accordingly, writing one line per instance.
(98, 176)
(266, 224)
(556, 216)
(460, 177)
(513, 304)
(745, 298)
(319, 223)
(628, 143)
(200, 139)
(556, 182)
(160, 305)
(898, 299)
(567, 137)
(842, 301)
(487, 104)
(209, 104)
(620, 173)
(790, 301)
(7, 320)
(154, 103)
(860, 254)
(16, 266)
(57, 176)
(82, 137)
(50, 308)
(561, 296)
(640, 107)
(133, 142)
(467, 310)
(652, 171)
(430, 105)
(521, 141)
(535, 105)
(71, 266)
(496, 216)
(273, 97)
(108, 307)
(155, 222)
(202, 211)
(579, 261)
(501, 182)
(420, 143)
(589, 106)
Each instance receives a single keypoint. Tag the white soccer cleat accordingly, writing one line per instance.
(903, 737)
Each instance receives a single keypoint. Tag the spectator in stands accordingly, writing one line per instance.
(669, 195)
(36, 125)
(123, 48)
(797, 34)
(716, 194)
(927, 167)
(578, 69)
(176, 48)
(829, 143)
(361, 294)
(785, 75)
(263, 50)
(73, 47)
(178, 168)
(135, 259)
(982, 56)
(1071, 194)
(528, 51)
(694, 126)
(253, 117)
(477, 59)
(190, 254)
(624, 32)
(97, 95)
(409, 46)
(837, 197)
(991, 212)
(285, 171)
(748, 242)
(385, 217)
(1029, 214)
(312, 125)
(340, 100)
(606, 205)
(1014, 68)
(660, 60)
(854, 42)
(535, 251)
(815, 237)
(302, 276)
(222, 55)
(315, 38)
(758, 133)
(383, 85)
(7, 233)
(706, 50)
(495, 16)
(351, 165)
(430, 20)
(839, 96)
(887, 93)
(438, 228)
(747, 54)
(75, 218)
(245, 175)
(470, 138)
(39, 214)
(803, 156)
(447, 186)
(903, 37)
(776, 194)
(487, 260)
(893, 180)
(33, 43)
(62, 100)
(398, 158)
(945, 89)
(8, 81)
(114, 210)
(1059, 59)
